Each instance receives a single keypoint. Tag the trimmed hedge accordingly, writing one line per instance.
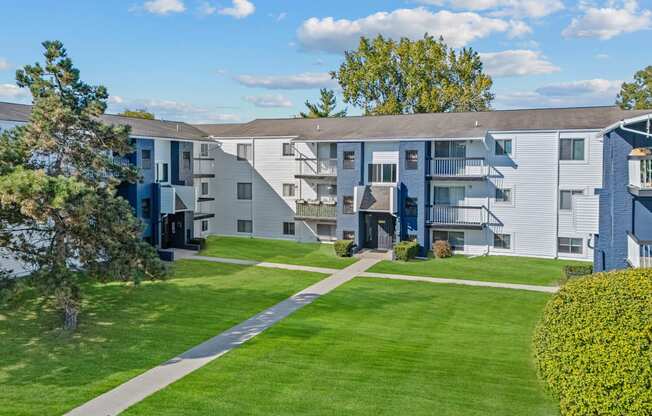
(406, 250)
(572, 272)
(344, 248)
(593, 345)
(198, 241)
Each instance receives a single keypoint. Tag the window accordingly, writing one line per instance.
(450, 148)
(411, 207)
(204, 225)
(349, 160)
(244, 190)
(347, 205)
(503, 195)
(186, 160)
(203, 150)
(348, 235)
(566, 198)
(289, 190)
(411, 159)
(504, 147)
(570, 245)
(244, 151)
(146, 156)
(162, 172)
(245, 226)
(326, 192)
(288, 149)
(382, 172)
(146, 208)
(326, 151)
(571, 149)
(326, 230)
(204, 188)
(503, 241)
(288, 228)
(454, 238)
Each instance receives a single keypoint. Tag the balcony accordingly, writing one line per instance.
(639, 253)
(316, 210)
(203, 168)
(640, 176)
(458, 168)
(316, 169)
(456, 217)
(177, 199)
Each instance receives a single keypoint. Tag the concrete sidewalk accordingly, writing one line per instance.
(133, 391)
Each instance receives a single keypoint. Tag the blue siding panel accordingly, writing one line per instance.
(413, 185)
(347, 180)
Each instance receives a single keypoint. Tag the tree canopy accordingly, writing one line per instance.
(59, 209)
(141, 113)
(325, 107)
(637, 95)
(384, 76)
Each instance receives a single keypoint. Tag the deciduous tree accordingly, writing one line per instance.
(142, 113)
(637, 95)
(59, 173)
(384, 76)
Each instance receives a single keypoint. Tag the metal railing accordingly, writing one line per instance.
(639, 254)
(316, 209)
(458, 166)
(317, 167)
(646, 173)
(456, 215)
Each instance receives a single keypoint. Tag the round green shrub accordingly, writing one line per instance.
(593, 345)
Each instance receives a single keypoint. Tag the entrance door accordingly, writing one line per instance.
(379, 231)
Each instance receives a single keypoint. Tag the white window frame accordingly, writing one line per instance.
(576, 191)
(201, 188)
(503, 203)
(382, 173)
(585, 156)
(204, 226)
(294, 228)
(237, 193)
(292, 186)
(237, 222)
(283, 147)
(508, 155)
(203, 153)
(570, 245)
(248, 151)
(502, 249)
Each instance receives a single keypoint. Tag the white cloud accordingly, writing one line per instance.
(608, 22)
(269, 101)
(517, 62)
(305, 80)
(13, 92)
(172, 110)
(458, 29)
(4, 64)
(518, 29)
(521, 8)
(206, 9)
(164, 6)
(278, 17)
(602, 56)
(576, 93)
(239, 9)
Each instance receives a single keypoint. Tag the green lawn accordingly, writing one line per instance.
(126, 330)
(276, 251)
(376, 347)
(506, 269)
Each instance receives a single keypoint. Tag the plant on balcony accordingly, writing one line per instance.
(593, 345)
(406, 250)
(442, 249)
(344, 248)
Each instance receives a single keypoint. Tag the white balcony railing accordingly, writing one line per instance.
(317, 167)
(203, 167)
(457, 215)
(639, 254)
(640, 173)
(458, 167)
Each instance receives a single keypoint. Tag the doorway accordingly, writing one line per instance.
(379, 231)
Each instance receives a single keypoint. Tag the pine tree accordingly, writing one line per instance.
(59, 210)
(325, 107)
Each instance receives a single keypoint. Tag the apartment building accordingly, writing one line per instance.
(625, 235)
(518, 182)
(173, 199)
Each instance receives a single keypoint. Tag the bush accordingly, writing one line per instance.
(199, 241)
(344, 248)
(442, 249)
(572, 272)
(406, 250)
(593, 345)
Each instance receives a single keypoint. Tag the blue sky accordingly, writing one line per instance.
(230, 61)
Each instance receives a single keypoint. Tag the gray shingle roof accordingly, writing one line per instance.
(432, 125)
(139, 127)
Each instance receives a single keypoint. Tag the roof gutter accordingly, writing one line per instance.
(621, 125)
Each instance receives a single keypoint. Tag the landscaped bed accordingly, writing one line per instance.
(506, 269)
(275, 251)
(126, 330)
(378, 347)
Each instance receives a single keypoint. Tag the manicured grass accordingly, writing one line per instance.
(126, 330)
(376, 347)
(276, 251)
(505, 269)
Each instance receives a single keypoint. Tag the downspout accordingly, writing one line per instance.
(557, 196)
